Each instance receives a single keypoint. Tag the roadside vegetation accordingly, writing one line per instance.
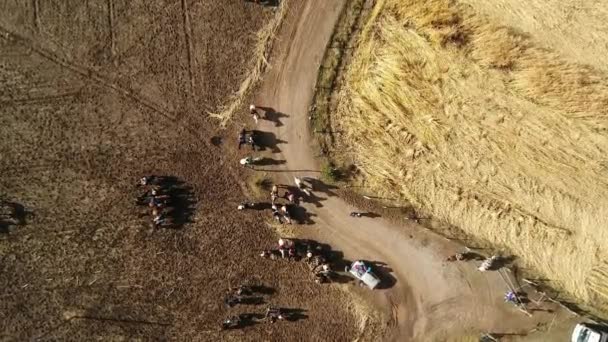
(259, 62)
(475, 124)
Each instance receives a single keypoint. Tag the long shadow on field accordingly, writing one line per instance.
(183, 201)
(294, 314)
(272, 115)
(263, 289)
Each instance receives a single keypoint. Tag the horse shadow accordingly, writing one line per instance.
(267, 140)
(267, 3)
(261, 206)
(370, 215)
(294, 314)
(301, 215)
(470, 256)
(272, 115)
(262, 289)
(269, 162)
(318, 185)
(182, 200)
(247, 320)
(313, 199)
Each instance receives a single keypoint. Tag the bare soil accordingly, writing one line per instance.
(94, 95)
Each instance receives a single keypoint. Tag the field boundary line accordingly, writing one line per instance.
(36, 6)
(87, 73)
(111, 28)
(263, 48)
(189, 45)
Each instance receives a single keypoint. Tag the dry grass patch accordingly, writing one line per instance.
(370, 322)
(474, 124)
(263, 47)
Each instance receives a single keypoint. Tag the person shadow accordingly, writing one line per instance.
(272, 115)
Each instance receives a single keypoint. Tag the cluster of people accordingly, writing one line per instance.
(157, 199)
(309, 253)
(281, 212)
(286, 250)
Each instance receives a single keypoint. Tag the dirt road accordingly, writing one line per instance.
(429, 299)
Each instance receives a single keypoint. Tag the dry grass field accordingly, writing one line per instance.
(93, 95)
(491, 116)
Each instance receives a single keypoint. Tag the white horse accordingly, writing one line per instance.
(254, 113)
(303, 187)
(488, 263)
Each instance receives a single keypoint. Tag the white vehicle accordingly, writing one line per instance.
(588, 333)
(363, 273)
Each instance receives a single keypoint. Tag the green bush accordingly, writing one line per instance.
(330, 173)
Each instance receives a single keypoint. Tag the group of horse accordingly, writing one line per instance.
(252, 295)
(314, 255)
(282, 213)
(157, 199)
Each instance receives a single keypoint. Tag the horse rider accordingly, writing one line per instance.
(242, 138)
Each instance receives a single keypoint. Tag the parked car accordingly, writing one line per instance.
(363, 272)
(584, 332)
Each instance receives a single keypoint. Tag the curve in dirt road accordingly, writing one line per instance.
(429, 298)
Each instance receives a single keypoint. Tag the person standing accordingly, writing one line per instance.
(254, 113)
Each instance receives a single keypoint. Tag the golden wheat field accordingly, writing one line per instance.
(494, 121)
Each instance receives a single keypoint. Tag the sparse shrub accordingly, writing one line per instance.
(330, 173)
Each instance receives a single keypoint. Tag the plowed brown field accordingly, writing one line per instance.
(93, 95)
